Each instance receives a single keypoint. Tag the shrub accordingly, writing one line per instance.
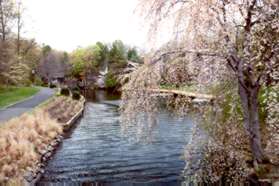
(38, 81)
(76, 95)
(75, 89)
(110, 81)
(52, 86)
(65, 92)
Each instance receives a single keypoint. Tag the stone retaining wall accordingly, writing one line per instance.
(33, 176)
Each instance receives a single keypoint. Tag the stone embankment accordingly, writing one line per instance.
(66, 112)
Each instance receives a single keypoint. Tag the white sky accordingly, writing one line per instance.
(67, 24)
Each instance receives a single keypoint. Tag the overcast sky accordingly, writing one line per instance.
(67, 24)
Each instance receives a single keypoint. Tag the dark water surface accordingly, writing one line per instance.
(99, 151)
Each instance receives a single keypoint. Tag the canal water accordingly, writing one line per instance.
(98, 151)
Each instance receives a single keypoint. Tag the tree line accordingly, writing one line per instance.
(17, 54)
(23, 61)
(94, 58)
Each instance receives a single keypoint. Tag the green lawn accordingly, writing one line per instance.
(10, 95)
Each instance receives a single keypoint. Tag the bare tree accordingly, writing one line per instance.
(19, 24)
(244, 34)
(6, 17)
(52, 66)
(6, 21)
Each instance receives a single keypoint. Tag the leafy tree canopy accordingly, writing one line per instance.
(117, 54)
(133, 55)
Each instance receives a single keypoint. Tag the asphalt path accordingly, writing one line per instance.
(25, 106)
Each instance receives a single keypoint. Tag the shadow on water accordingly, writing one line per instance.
(101, 95)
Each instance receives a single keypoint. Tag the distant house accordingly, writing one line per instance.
(54, 77)
(58, 79)
(52, 69)
(88, 80)
(72, 83)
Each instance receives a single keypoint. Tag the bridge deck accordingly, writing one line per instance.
(184, 93)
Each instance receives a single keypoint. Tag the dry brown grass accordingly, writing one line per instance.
(24, 139)
(63, 108)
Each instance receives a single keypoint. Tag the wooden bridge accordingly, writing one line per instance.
(192, 95)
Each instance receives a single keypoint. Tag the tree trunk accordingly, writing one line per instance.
(18, 39)
(19, 25)
(250, 105)
(3, 25)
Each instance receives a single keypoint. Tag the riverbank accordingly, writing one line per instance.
(28, 141)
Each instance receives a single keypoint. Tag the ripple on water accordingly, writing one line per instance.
(97, 151)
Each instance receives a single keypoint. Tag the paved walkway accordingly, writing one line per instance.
(25, 106)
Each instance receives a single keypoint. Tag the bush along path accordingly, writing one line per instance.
(25, 106)
(27, 142)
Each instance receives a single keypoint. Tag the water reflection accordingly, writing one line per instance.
(101, 95)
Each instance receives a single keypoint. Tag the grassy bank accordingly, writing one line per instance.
(10, 95)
